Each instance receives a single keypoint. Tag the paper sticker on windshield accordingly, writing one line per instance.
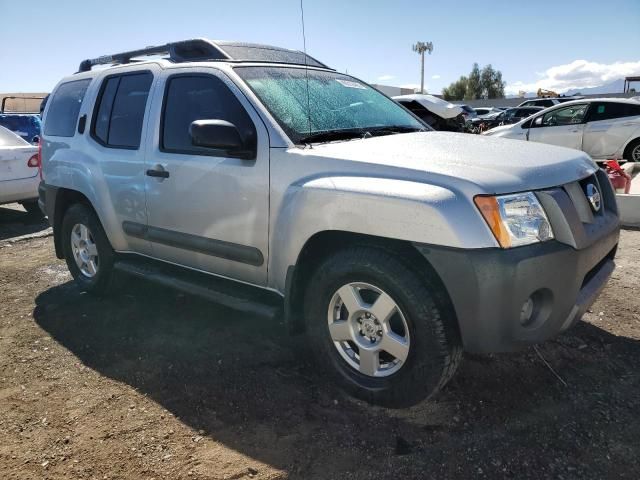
(350, 84)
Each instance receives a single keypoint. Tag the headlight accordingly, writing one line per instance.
(516, 219)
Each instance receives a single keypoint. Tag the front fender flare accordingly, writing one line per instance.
(380, 207)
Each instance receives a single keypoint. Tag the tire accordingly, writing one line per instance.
(424, 326)
(32, 207)
(97, 279)
(632, 152)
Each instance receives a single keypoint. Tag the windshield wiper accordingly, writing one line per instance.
(349, 133)
(386, 130)
(329, 135)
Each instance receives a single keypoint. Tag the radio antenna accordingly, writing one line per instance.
(306, 67)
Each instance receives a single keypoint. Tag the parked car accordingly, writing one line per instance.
(19, 177)
(514, 115)
(27, 126)
(548, 102)
(605, 128)
(482, 124)
(487, 112)
(468, 113)
(393, 246)
(435, 112)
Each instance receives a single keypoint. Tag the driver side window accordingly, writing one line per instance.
(200, 97)
(569, 115)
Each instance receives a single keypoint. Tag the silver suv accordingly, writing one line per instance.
(262, 179)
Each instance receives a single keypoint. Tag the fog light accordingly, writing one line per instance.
(526, 313)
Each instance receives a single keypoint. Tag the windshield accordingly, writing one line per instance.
(338, 104)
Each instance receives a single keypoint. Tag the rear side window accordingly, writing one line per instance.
(120, 110)
(611, 110)
(203, 97)
(62, 116)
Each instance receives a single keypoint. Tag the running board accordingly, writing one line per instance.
(235, 295)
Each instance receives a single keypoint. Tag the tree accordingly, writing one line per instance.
(492, 84)
(456, 90)
(474, 84)
(485, 83)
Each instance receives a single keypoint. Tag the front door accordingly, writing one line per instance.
(207, 208)
(562, 126)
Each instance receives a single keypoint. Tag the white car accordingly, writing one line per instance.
(437, 113)
(605, 128)
(487, 112)
(548, 101)
(19, 168)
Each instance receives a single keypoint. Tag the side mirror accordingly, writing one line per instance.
(35, 140)
(215, 134)
(538, 121)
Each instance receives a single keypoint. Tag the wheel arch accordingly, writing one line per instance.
(327, 242)
(64, 198)
(626, 151)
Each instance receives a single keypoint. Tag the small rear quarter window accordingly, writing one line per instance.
(62, 116)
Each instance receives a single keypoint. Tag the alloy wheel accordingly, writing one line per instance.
(368, 329)
(85, 251)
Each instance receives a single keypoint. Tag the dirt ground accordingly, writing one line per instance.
(152, 384)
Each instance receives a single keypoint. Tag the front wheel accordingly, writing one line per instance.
(374, 321)
(87, 250)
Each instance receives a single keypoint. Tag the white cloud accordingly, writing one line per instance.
(435, 77)
(385, 78)
(577, 74)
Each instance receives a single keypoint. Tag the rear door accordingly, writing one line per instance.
(117, 132)
(562, 126)
(609, 126)
(14, 155)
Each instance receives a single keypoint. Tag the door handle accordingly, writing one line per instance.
(158, 172)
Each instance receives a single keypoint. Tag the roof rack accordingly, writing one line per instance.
(200, 49)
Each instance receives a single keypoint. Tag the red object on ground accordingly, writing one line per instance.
(620, 179)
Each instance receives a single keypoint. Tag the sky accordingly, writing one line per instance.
(559, 44)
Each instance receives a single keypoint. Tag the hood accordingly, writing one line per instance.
(500, 128)
(471, 162)
(436, 105)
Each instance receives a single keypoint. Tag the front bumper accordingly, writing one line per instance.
(488, 287)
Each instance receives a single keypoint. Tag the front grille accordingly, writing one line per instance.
(572, 218)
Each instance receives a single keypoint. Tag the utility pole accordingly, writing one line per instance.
(420, 48)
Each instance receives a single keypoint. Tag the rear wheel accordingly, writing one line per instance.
(87, 250)
(373, 321)
(632, 152)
